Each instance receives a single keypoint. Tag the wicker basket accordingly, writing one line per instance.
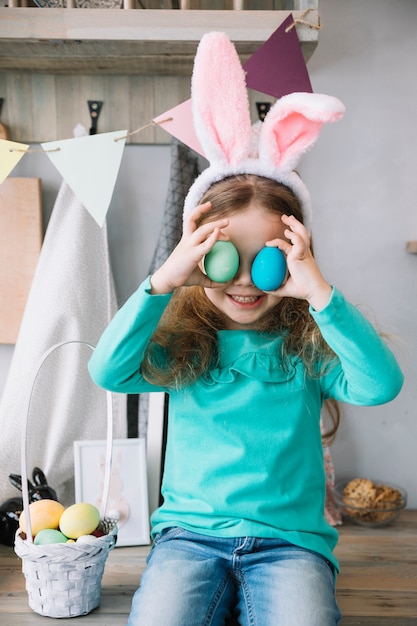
(64, 580)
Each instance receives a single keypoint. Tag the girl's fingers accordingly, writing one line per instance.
(291, 220)
(293, 237)
(282, 244)
(201, 232)
(208, 241)
(207, 229)
(294, 229)
(190, 222)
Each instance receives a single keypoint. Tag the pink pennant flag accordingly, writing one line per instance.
(181, 125)
(278, 67)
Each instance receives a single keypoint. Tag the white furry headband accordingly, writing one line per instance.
(222, 123)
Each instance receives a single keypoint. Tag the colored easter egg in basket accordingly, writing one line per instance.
(87, 539)
(49, 535)
(79, 519)
(269, 269)
(222, 262)
(43, 514)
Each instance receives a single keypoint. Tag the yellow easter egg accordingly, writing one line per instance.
(43, 514)
(79, 519)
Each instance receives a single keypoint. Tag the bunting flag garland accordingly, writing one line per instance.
(277, 68)
(10, 155)
(90, 166)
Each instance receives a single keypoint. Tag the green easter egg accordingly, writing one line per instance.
(49, 535)
(222, 262)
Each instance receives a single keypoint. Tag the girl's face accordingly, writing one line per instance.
(239, 299)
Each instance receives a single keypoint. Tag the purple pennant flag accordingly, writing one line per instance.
(278, 68)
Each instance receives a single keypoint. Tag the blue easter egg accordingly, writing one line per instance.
(222, 262)
(269, 269)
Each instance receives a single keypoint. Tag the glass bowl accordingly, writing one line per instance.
(368, 502)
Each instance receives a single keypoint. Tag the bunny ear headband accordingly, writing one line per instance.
(222, 123)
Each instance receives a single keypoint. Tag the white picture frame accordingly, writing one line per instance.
(128, 492)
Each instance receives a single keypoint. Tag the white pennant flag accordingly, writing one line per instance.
(90, 166)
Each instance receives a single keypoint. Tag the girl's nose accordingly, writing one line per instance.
(243, 276)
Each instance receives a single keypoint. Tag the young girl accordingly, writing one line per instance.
(241, 533)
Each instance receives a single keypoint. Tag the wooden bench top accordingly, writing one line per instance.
(377, 585)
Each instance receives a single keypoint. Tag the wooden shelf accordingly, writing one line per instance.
(128, 42)
(138, 62)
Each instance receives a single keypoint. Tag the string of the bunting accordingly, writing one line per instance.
(133, 132)
(301, 20)
(33, 151)
(99, 154)
(148, 125)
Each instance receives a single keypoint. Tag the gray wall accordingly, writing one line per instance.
(361, 175)
(362, 178)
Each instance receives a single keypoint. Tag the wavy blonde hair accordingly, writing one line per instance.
(184, 345)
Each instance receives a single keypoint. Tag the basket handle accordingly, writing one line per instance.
(109, 446)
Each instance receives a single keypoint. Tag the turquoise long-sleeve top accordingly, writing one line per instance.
(244, 453)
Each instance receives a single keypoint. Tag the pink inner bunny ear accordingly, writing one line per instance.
(220, 101)
(295, 134)
(293, 125)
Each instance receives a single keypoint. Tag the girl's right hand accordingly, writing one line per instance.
(183, 266)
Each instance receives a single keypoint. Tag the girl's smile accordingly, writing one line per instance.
(246, 301)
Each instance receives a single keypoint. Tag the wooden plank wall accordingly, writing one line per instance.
(46, 107)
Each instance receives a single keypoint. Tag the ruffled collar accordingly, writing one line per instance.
(252, 354)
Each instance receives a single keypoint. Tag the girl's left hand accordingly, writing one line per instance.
(305, 281)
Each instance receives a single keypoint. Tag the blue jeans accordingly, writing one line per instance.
(196, 580)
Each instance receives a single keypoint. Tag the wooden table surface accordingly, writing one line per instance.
(377, 585)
